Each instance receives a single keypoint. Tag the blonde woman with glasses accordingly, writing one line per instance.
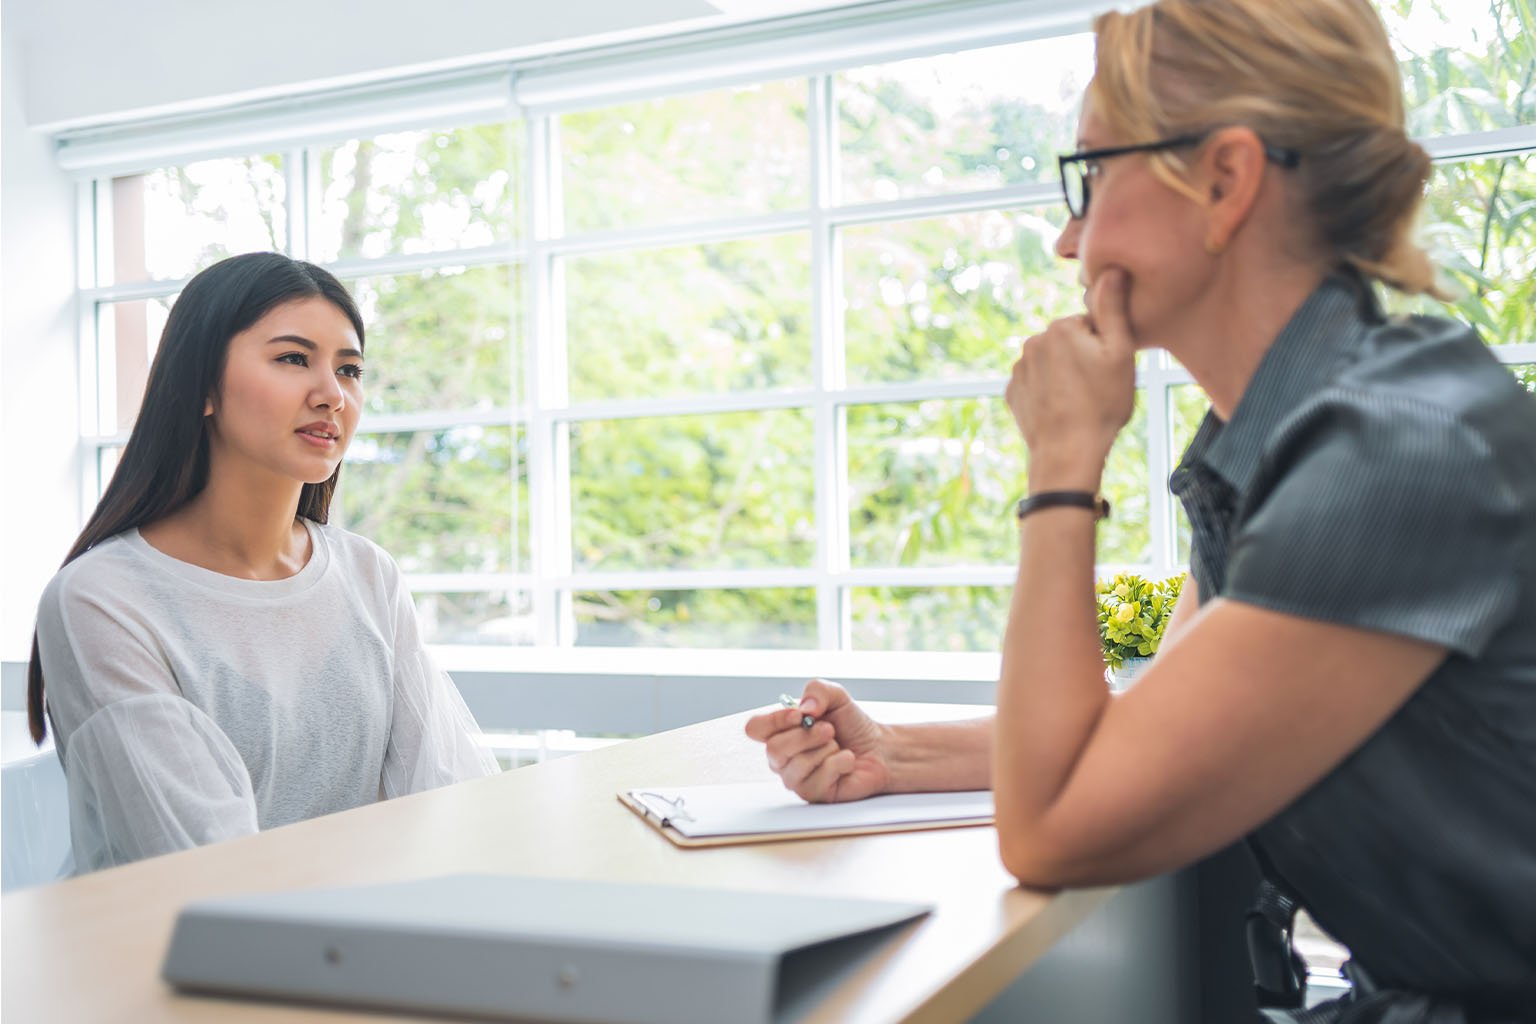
(1350, 685)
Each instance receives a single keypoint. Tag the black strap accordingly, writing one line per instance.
(1279, 974)
(1095, 503)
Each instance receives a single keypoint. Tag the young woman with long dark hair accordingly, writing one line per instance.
(215, 659)
(1349, 682)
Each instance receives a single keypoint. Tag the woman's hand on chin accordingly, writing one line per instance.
(1073, 388)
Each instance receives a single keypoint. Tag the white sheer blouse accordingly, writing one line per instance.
(191, 707)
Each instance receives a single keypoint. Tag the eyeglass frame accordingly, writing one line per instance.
(1284, 157)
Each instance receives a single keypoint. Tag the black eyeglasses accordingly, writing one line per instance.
(1079, 169)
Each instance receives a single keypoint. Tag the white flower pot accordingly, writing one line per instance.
(1120, 679)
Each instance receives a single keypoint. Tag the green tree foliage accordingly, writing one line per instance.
(951, 296)
(1479, 217)
(929, 618)
(700, 319)
(763, 617)
(197, 214)
(960, 122)
(693, 492)
(728, 152)
(440, 501)
(425, 191)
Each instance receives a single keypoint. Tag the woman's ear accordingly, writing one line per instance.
(1232, 165)
(208, 406)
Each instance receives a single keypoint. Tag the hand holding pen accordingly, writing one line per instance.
(823, 746)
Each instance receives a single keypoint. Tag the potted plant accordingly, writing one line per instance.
(1133, 612)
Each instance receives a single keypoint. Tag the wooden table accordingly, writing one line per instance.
(89, 949)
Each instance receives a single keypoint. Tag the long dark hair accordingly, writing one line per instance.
(165, 463)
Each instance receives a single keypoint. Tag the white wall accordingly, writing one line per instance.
(39, 413)
(93, 60)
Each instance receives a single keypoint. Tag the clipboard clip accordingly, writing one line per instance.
(676, 808)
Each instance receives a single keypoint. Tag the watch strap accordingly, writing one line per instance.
(1095, 503)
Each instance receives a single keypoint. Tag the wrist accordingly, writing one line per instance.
(1049, 474)
(930, 757)
(902, 773)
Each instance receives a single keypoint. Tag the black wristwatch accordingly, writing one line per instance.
(1095, 503)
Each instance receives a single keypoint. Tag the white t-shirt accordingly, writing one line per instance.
(191, 707)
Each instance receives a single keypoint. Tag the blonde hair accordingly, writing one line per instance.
(1316, 76)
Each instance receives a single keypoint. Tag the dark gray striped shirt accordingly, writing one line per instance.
(1382, 474)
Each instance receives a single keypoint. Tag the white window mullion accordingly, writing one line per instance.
(1516, 352)
(548, 474)
(826, 368)
(296, 204)
(1159, 506)
(87, 272)
(403, 422)
(413, 263)
(87, 345)
(466, 582)
(314, 198)
(789, 577)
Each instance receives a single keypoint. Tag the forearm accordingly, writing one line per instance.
(936, 756)
(1051, 693)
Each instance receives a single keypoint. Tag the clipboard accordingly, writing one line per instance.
(766, 812)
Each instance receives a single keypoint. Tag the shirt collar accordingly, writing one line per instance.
(1323, 333)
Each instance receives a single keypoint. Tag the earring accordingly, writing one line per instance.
(1214, 248)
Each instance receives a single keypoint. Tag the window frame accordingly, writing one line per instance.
(539, 93)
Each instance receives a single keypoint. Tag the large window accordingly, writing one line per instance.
(723, 367)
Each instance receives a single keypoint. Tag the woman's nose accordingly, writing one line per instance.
(327, 392)
(1066, 242)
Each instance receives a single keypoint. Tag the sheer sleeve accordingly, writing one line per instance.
(147, 771)
(150, 775)
(433, 737)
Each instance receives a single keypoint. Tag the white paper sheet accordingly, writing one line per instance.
(753, 808)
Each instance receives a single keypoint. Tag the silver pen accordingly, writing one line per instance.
(806, 721)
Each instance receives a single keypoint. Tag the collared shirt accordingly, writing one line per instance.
(1382, 475)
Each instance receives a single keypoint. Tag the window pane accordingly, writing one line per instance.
(173, 222)
(933, 483)
(962, 121)
(929, 618)
(440, 500)
(476, 617)
(1525, 373)
(1125, 537)
(763, 618)
(127, 336)
(693, 492)
(1479, 225)
(442, 339)
(1466, 63)
(726, 153)
(952, 296)
(690, 319)
(1187, 406)
(106, 465)
(422, 191)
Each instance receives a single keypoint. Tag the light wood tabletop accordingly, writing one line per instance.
(89, 949)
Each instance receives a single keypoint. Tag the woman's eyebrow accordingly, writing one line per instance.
(303, 342)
